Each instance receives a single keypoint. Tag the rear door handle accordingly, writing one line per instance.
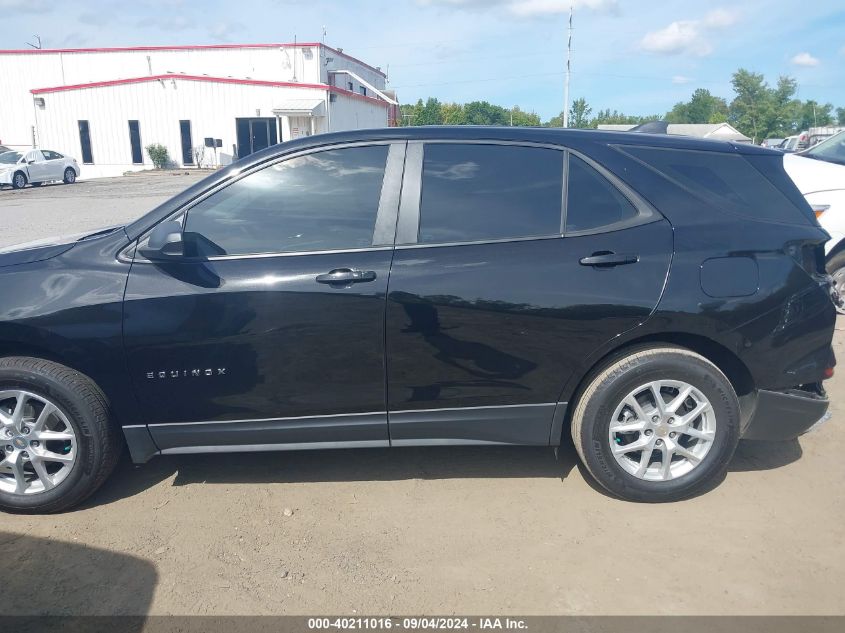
(608, 259)
(346, 276)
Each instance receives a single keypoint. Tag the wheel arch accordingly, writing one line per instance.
(727, 361)
(9, 348)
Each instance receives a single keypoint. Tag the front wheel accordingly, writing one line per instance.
(19, 180)
(57, 445)
(658, 424)
(70, 176)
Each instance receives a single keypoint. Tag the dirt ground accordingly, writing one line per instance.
(424, 530)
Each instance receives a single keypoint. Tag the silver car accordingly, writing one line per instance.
(36, 167)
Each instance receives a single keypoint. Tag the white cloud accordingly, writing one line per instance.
(680, 80)
(691, 37)
(805, 59)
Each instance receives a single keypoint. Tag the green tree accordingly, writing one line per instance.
(840, 116)
(525, 119)
(484, 113)
(453, 114)
(428, 113)
(702, 107)
(579, 113)
(750, 111)
(814, 114)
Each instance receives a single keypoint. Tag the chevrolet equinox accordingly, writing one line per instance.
(657, 298)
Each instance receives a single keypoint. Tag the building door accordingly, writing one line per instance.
(255, 134)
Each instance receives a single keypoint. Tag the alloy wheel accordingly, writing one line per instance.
(38, 446)
(662, 430)
(20, 181)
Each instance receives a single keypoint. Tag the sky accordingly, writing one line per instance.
(638, 57)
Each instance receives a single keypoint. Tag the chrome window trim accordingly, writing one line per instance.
(184, 209)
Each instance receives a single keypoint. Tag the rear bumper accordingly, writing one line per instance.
(784, 415)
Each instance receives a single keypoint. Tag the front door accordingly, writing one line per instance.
(270, 332)
(493, 303)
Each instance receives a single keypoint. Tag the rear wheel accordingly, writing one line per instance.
(56, 443)
(70, 176)
(836, 269)
(658, 424)
(19, 180)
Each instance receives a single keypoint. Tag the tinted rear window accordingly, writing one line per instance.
(474, 192)
(592, 201)
(726, 181)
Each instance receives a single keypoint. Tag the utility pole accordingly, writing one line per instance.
(568, 71)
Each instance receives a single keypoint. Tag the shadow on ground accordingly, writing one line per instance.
(397, 464)
(49, 577)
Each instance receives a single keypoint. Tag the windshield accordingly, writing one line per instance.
(832, 150)
(10, 158)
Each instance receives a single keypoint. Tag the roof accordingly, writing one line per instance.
(131, 49)
(723, 131)
(719, 131)
(205, 78)
(300, 107)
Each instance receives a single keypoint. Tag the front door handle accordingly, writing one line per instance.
(607, 259)
(346, 276)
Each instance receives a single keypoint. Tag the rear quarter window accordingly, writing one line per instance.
(723, 180)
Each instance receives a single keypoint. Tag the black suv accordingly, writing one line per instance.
(657, 298)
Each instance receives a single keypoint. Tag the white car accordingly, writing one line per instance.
(36, 167)
(819, 173)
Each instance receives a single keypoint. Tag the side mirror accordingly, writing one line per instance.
(164, 243)
(30, 162)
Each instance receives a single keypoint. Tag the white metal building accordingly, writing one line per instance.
(105, 105)
(713, 131)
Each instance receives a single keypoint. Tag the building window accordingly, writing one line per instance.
(364, 90)
(135, 142)
(350, 86)
(85, 142)
(187, 143)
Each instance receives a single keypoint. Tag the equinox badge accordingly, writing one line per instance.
(185, 373)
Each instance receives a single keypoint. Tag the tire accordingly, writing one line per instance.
(606, 394)
(19, 180)
(836, 269)
(70, 176)
(36, 184)
(96, 444)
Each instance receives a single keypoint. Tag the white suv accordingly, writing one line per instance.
(819, 173)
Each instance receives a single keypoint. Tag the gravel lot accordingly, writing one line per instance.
(434, 530)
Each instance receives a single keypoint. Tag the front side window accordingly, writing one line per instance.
(477, 192)
(322, 201)
(50, 155)
(593, 202)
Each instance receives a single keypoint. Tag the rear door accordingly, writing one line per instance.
(503, 283)
(55, 164)
(270, 332)
(37, 166)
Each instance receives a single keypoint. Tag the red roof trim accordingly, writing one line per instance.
(129, 49)
(220, 80)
